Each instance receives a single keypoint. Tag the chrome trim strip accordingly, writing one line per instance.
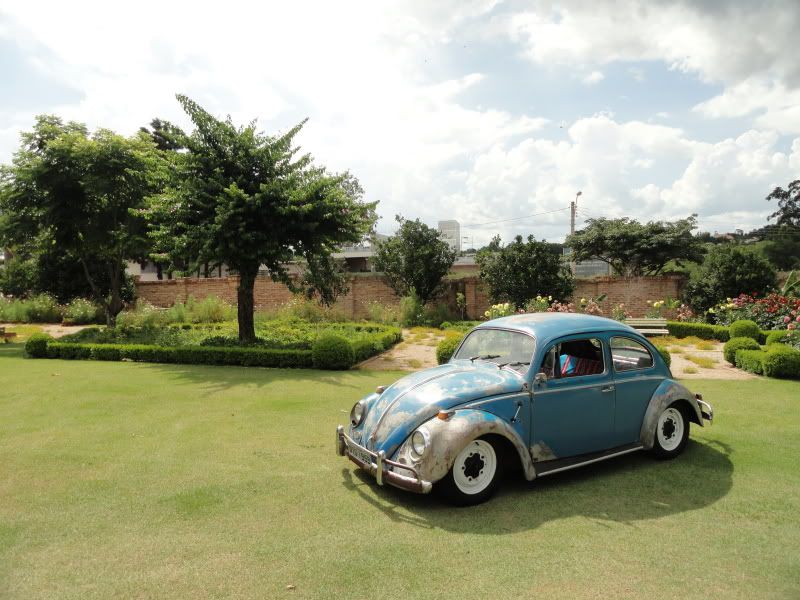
(588, 462)
(571, 388)
(706, 410)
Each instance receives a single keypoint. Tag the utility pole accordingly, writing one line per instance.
(572, 208)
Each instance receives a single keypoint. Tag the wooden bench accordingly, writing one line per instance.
(648, 327)
(6, 336)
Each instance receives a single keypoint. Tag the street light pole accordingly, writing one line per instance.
(572, 208)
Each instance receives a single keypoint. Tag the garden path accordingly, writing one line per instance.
(416, 351)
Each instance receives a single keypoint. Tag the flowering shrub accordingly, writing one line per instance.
(538, 304)
(499, 310)
(620, 313)
(772, 312)
(590, 307)
(561, 307)
(684, 314)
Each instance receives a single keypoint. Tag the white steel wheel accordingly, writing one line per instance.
(475, 467)
(672, 433)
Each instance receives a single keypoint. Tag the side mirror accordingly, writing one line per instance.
(540, 378)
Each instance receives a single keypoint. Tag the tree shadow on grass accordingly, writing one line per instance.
(627, 489)
(216, 379)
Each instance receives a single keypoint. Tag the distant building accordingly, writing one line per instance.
(588, 268)
(358, 257)
(451, 233)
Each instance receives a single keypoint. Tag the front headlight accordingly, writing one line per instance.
(420, 440)
(357, 413)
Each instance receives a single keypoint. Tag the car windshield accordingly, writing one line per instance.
(509, 348)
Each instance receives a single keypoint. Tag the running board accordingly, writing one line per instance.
(565, 464)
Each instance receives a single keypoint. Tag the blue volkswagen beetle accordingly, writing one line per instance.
(546, 392)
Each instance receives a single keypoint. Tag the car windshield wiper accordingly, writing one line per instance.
(516, 363)
(483, 357)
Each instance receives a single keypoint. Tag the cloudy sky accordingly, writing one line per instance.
(482, 111)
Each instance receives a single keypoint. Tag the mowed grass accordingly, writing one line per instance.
(126, 480)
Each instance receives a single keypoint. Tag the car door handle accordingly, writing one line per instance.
(608, 388)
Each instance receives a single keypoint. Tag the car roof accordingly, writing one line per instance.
(546, 326)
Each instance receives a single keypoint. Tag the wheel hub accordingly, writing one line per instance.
(473, 466)
(668, 429)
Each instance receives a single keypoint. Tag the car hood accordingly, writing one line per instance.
(414, 399)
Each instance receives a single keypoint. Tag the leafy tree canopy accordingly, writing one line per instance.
(636, 249)
(246, 199)
(71, 193)
(415, 259)
(788, 213)
(517, 272)
(324, 278)
(728, 271)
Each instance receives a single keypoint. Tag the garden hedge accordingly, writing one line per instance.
(704, 331)
(665, 355)
(738, 343)
(778, 361)
(744, 328)
(192, 355)
(446, 348)
(332, 352)
(36, 346)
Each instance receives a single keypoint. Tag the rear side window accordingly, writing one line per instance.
(629, 355)
(574, 359)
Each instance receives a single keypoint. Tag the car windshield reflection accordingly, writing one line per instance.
(509, 349)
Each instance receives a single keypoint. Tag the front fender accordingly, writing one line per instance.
(449, 437)
(667, 393)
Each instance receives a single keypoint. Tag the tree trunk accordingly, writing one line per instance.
(245, 304)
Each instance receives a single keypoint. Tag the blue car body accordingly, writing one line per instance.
(551, 423)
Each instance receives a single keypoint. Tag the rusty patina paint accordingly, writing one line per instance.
(667, 393)
(449, 437)
(541, 451)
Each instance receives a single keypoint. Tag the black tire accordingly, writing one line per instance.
(475, 474)
(672, 432)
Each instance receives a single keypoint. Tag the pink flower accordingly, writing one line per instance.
(786, 319)
(792, 325)
(798, 319)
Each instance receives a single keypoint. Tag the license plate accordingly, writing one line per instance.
(359, 453)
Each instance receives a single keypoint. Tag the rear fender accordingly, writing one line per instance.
(667, 393)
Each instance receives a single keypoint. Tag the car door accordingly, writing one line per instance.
(636, 380)
(573, 409)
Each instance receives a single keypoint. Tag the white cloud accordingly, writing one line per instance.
(593, 77)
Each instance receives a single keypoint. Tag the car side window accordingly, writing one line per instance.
(574, 358)
(629, 355)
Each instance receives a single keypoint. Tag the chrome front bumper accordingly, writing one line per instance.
(705, 409)
(379, 466)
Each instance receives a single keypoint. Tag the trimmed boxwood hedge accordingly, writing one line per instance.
(192, 355)
(779, 361)
(750, 361)
(446, 348)
(36, 345)
(332, 352)
(744, 328)
(738, 343)
(704, 331)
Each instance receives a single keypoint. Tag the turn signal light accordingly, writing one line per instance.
(444, 415)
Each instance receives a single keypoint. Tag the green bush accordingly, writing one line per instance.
(665, 355)
(701, 330)
(738, 343)
(744, 328)
(446, 348)
(784, 336)
(248, 357)
(782, 362)
(412, 311)
(36, 345)
(332, 352)
(750, 360)
(82, 312)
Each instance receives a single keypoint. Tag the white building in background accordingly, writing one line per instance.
(451, 233)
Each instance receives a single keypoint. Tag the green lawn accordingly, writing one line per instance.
(135, 480)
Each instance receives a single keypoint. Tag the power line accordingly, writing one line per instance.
(515, 218)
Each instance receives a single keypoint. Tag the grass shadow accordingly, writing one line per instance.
(624, 490)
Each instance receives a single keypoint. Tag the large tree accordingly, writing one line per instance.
(415, 259)
(246, 199)
(788, 213)
(522, 269)
(635, 249)
(727, 271)
(79, 195)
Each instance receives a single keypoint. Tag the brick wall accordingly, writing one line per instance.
(368, 287)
